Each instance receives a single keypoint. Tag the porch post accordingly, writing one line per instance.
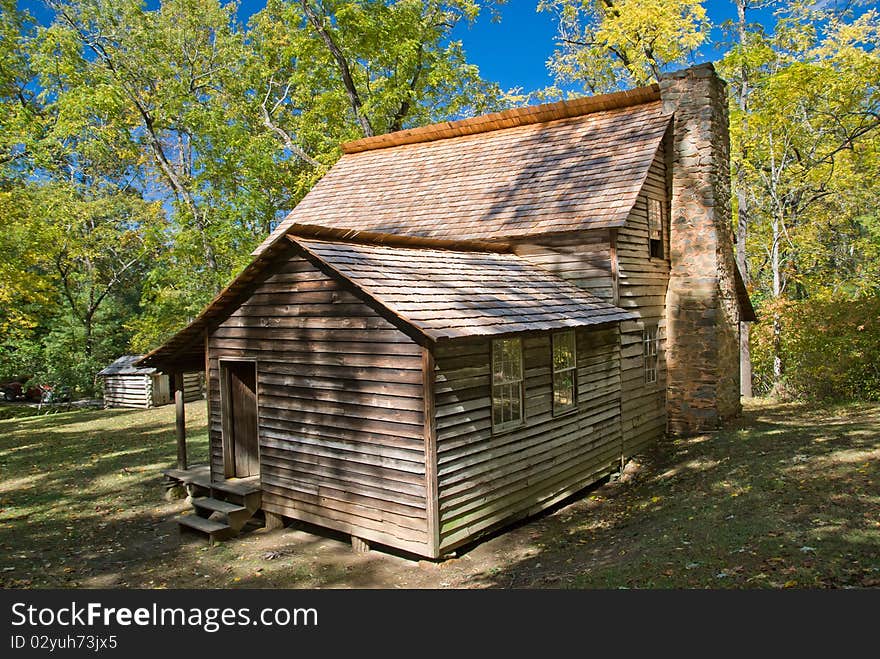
(180, 417)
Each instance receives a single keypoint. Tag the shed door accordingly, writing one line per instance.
(242, 452)
(161, 389)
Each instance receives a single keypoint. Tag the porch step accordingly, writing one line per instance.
(213, 529)
(235, 515)
(218, 506)
(244, 492)
(240, 487)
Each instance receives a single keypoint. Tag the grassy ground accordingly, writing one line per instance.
(80, 491)
(787, 496)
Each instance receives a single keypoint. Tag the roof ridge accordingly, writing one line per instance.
(533, 114)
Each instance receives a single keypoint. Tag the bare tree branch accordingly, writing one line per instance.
(285, 137)
(354, 98)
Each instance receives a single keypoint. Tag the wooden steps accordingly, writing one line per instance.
(213, 529)
(218, 506)
(234, 515)
(221, 509)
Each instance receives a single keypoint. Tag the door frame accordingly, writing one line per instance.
(226, 439)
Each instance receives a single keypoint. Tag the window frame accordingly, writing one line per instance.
(573, 407)
(651, 353)
(519, 383)
(656, 208)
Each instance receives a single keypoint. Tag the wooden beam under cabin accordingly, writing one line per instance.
(180, 419)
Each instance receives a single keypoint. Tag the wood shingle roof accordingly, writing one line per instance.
(126, 365)
(580, 172)
(446, 294)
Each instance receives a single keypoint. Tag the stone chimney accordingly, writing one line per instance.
(702, 343)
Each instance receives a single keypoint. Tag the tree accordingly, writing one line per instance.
(749, 52)
(26, 293)
(377, 66)
(809, 129)
(145, 150)
(609, 44)
(158, 72)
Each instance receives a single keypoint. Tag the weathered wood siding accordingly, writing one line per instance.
(192, 387)
(642, 283)
(584, 259)
(128, 390)
(486, 479)
(618, 267)
(341, 419)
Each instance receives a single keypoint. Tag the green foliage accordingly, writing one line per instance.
(807, 151)
(830, 349)
(610, 44)
(145, 151)
(805, 113)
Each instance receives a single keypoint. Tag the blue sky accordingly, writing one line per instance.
(512, 52)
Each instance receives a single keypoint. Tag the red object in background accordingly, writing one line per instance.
(11, 391)
(14, 390)
(36, 394)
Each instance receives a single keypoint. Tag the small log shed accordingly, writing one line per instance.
(129, 385)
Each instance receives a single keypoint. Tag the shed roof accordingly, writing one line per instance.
(548, 168)
(126, 365)
(446, 294)
(747, 312)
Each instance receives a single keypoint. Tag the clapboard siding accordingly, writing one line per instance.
(642, 283)
(486, 479)
(192, 386)
(583, 259)
(341, 410)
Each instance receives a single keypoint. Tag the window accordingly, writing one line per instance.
(507, 383)
(655, 228)
(564, 372)
(651, 344)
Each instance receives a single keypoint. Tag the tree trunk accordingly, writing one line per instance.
(742, 226)
(351, 90)
(88, 338)
(776, 227)
(745, 351)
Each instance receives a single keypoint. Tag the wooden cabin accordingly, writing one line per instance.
(463, 324)
(128, 385)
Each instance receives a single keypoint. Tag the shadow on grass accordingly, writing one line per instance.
(786, 497)
(80, 491)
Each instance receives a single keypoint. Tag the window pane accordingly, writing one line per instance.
(564, 371)
(655, 214)
(515, 349)
(507, 370)
(651, 344)
(506, 360)
(515, 404)
(563, 350)
(563, 390)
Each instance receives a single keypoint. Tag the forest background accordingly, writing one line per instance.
(145, 149)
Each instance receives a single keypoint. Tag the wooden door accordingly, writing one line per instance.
(161, 389)
(242, 453)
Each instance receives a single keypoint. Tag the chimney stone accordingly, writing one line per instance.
(702, 343)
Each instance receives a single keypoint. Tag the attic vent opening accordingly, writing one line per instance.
(655, 228)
